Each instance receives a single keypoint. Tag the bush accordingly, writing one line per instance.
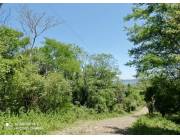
(118, 108)
(24, 90)
(163, 95)
(28, 90)
(154, 125)
(102, 101)
(41, 123)
(129, 104)
(132, 100)
(57, 93)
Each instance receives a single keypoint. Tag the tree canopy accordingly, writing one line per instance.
(156, 34)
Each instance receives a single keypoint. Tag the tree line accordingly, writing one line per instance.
(54, 75)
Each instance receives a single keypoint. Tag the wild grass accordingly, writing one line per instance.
(41, 123)
(154, 125)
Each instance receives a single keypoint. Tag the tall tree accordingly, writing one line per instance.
(101, 74)
(11, 42)
(156, 33)
(58, 57)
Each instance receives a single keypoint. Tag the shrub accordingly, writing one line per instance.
(153, 125)
(41, 123)
(24, 90)
(163, 95)
(57, 93)
(118, 108)
(102, 101)
(132, 100)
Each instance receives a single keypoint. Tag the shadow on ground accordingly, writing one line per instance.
(117, 130)
(143, 130)
(175, 118)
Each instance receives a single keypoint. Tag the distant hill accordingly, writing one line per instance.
(129, 81)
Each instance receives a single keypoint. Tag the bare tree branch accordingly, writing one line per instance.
(35, 23)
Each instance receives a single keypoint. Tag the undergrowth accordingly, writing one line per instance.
(154, 125)
(41, 123)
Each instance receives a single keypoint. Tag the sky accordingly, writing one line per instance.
(97, 28)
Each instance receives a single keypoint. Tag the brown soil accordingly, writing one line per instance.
(116, 125)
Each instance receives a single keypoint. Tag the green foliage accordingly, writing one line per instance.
(166, 99)
(27, 88)
(60, 57)
(99, 76)
(133, 99)
(11, 41)
(57, 93)
(102, 101)
(41, 123)
(156, 125)
(40, 85)
(156, 36)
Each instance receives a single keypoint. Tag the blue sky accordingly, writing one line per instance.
(97, 28)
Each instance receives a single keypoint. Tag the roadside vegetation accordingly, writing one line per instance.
(51, 85)
(156, 34)
(43, 123)
(48, 86)
(155, 125)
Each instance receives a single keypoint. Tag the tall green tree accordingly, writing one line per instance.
(156, 34)
(55, 56)
(101, 74)
(11, 43)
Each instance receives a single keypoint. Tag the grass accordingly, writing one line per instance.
(154, 125)
(39, 123)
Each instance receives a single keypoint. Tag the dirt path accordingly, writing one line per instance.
(116, 125)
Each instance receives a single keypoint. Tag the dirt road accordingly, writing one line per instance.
(116, 125)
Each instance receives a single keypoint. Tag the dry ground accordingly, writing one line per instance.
(116, 125)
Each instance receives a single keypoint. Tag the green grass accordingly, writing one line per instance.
(39, 123)
(154, 125)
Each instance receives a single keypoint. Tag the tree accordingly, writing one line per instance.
(57, 93)
(58, 57)
(104, 67)
(34, 24)
(11, 42)
(80, 87)
(157, 37)
(100, 75)
(156, 34)
(163, 95)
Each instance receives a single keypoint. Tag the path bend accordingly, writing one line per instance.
(117, 125)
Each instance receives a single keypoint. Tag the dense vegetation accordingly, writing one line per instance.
(56, 81)
(155, 125)
(54, 77)
(61, 82)
(156, 34)
(43, 123)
